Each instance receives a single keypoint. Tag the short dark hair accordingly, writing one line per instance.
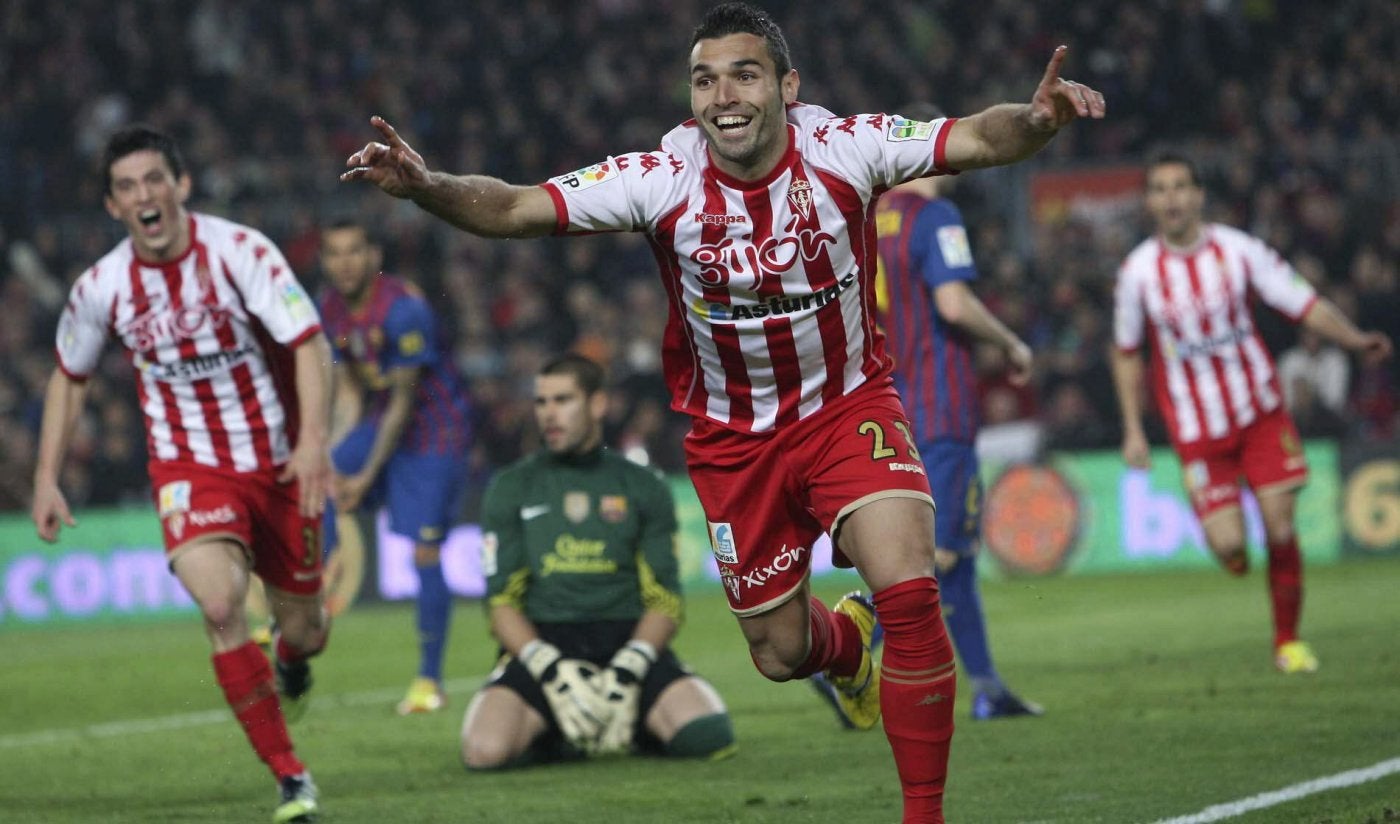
(1171, 157)
(137, 138)
(741, 18)
(350, 222)
(921, 111)
(585, 371)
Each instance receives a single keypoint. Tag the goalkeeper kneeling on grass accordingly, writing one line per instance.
(584, 599)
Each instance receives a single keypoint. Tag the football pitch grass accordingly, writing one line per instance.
(1160, 695)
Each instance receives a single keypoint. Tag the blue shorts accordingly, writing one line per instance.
(957, 492)
(421, 489)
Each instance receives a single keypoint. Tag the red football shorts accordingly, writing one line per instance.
(768, 497)
(199, 503)
(1267, 454)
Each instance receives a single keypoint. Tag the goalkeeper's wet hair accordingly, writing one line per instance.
(589, 375)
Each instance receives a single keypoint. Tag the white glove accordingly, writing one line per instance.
(621, 691)
(571, 688)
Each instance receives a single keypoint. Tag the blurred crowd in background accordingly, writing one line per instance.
(1290, 107)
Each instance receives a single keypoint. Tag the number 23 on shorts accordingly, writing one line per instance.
(879, 451)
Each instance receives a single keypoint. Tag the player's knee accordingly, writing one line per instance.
(426, 555)
(771, 664)
(483, 753)
(223, 613)
(709, 736)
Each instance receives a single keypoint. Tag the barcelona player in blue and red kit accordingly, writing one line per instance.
(402, 417)
(931, 318)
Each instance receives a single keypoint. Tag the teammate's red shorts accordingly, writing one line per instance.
(198, 503)
(1267, 454)
(769, 497)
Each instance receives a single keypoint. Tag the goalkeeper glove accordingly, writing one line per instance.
(570, 689)
(621, 691)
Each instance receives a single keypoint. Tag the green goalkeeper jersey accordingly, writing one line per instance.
(580, 538)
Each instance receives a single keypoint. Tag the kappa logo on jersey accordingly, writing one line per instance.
(799, 195)
(587, 178)
(903, 130)
(952, 243)
(173, 497)
(773, 307)
(722, 542)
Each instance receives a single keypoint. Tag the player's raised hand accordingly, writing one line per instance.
(1057, 101)
(392, 165)
(50, 511)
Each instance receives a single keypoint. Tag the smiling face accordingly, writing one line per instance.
(149, 200)
(1175, 201)
(570, 421)
(740, 102)
(348, 260)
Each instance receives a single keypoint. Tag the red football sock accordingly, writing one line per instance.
(1286, 588)
(835, 643)
(246, 678)
(917, 686)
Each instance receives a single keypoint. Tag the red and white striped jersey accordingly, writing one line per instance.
(770, 282)
(1210, 371)
(210, 336)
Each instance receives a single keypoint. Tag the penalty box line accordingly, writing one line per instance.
(1293, 792)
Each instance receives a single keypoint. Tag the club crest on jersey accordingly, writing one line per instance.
(587, 177)
(731, 582)
(799, 195)
(576, 506)
(612, 508)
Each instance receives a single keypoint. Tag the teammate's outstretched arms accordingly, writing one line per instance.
(481, 205)
(1009, 132)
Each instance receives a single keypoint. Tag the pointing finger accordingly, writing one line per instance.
(388, 131)
(1052, 70)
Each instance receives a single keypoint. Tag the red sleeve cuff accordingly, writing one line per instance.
(70, 374)
(940, 149)
(305, 336)
(1307, 307)
(561, 212)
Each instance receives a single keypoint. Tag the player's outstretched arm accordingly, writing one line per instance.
(478, 204)
(1010, 132)
(63, 400)
(1327, 320)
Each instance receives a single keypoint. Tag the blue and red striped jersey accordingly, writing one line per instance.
(922, 244)
(396, 327)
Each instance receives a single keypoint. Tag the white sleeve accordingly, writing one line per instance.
(83, 329)
(878, 149)
(1129, 316)
(1276, 281)
(625, 193)
(272, 292)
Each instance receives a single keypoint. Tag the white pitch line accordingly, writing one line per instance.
(185, 720)
(1350, 778)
